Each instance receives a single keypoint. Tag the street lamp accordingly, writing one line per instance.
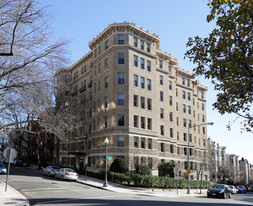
(188, 152)
(106, 141)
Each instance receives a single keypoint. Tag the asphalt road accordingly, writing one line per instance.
(43, 190)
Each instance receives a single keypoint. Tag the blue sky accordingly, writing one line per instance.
(174, 21)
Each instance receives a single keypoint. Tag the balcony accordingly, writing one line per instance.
(82, 89)
(90, 84)
(74, 93)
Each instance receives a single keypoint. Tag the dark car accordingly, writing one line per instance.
(2, 168)
(17, 162)
(242, 189)
(219, 190)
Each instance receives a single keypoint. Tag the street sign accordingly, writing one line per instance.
(109, 157)
(176, 172)
(188, 171)
(10, 154)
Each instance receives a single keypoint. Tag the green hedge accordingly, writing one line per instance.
(156, 181)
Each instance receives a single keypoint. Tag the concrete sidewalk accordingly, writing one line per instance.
(138, 191)
(13, 197)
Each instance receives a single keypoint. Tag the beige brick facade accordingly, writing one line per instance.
(137, 96)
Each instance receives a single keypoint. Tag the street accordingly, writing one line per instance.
(43, 190)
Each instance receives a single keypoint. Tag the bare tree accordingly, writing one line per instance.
(28, 59)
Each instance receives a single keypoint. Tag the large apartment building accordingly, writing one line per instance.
(128, 90)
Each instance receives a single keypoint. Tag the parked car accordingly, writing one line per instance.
(50, 170)
(242, 189)
(251, 188)
(17, 162)
(3, 169)
(233, 189)
(66, 174)
(219, 190)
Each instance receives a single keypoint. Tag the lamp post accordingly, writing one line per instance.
(106, 141)
(188, 152)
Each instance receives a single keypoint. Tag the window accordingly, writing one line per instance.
(106, 45)
(161, 96)
(135, 42)
(99, 85)
(170, 85)
(171, 116)
(142, 142)
(162, 147)
(135, 61)
(169, 68)
(121, 141)
(185, 137)
(142, 63)
(183, 94)
(121, 99)
(161, 113)
(183, 81)
(143, 102)
(203, 118)
(136, 142)
(121, 78)
(171, 148)
(149, 143)
(106, 119)
(149, 124)
(148, 47)
(121, 58)
(135, 100)
(188, 82)
(120, 119)
(184, 108)
(189, 123)
(106, 82)
(170, 100)
(135, 80)
(160, 64)
(106, 102)
(148, 84)
(204, 130)
(141, 44)
(171, 132)
(185, 151)
(148, 66)
(106, 63)
(188, 96)
(184, 122)
(142, 80)
(189, 109)
(162, 130)
(99, 68)
(203, 107)
(161, 80)
(136, 121)
(99, 50)
(121, 39)
(149, 104)
(143, 122)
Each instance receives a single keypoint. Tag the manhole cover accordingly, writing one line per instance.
(10, 203)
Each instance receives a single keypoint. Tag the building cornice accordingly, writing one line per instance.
(123, 26)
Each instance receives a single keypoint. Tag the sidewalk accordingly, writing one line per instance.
(139, 191)
(13, 197)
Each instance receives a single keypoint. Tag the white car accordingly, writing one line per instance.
(66, 174)
(50, 170)
(233, 189)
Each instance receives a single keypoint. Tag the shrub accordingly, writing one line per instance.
(143, 170)
(119, 165)
(166, 169)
